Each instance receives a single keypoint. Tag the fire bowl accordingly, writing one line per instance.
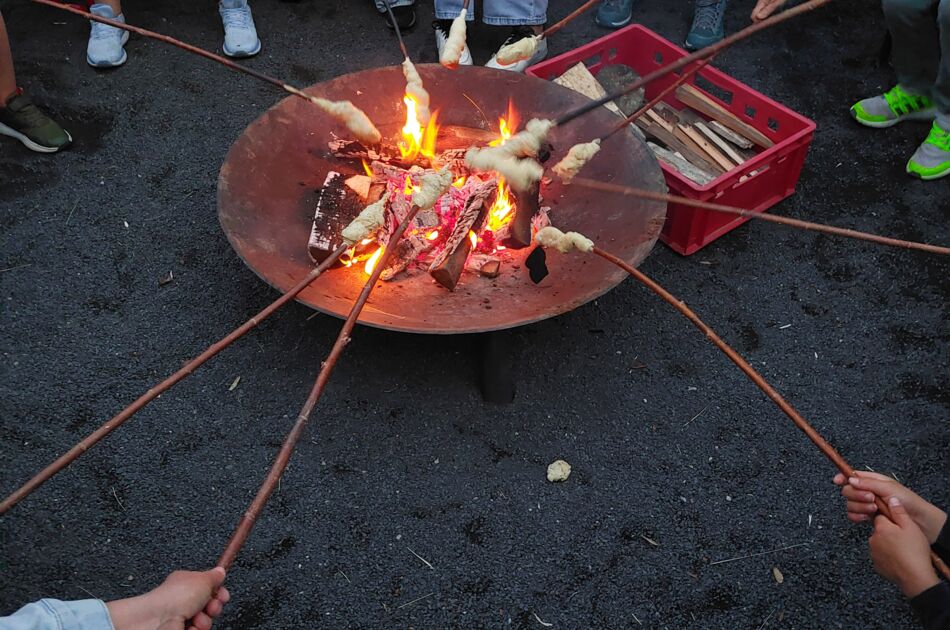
(270, 182)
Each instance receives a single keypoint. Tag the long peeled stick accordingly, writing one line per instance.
(641, 193)
(827, 450)
(554, 28)
(344, 111)
(290, 442)
(696, 56)
(116, 421)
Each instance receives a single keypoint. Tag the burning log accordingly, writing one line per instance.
(527, 205)
(335, 209)
(406, 251)
(449, 264)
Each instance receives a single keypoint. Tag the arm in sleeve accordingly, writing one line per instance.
(53, 614)
(933, 607)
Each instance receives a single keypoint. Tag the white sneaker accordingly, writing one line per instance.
(442, 35)
(105, 48)
(520, 32)
(240, 36)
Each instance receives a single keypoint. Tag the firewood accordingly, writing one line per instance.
(674, 144)
(696, 151)
(335, 209)
(696, 99)
(360, 184)
(457, 137)
(448, 265)
(739, 140)
(708, 148)
(527, 203)
(684, 166)
(579, 79)
(723, 146)
(408, 250)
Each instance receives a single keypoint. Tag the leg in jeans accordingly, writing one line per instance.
(450, 9)
(916, 53)
(7, 77)
(381, 4)
(515, 12)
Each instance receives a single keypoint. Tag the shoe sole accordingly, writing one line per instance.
(614, 24)
(925, 115)
(242, 55)
(29, 144)
(122, 60)
(927, 178)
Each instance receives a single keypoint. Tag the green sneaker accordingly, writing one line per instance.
(21, 119)
(892, 107)
(932, 158)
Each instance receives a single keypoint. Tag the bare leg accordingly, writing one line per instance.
(115, 5)
(7, 77)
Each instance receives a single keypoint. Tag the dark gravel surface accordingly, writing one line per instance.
(668, 441)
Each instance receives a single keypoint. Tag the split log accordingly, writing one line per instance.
(659, 133)
(580, 79)
(527, 204)
(448, 265)
(684, 166)
(335, 209)
(739, 140)
(457, 137)
(718, 157)
(699, 101)
(721, 144)
(408, 249)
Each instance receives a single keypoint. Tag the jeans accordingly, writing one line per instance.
(497, 12)
(921, 33)
(52, 614)
(381, 4)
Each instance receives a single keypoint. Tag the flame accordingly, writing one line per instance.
(434, 234)
(407, 188)
(371, 263)
(473, 238)
(416, 140)
(501, 210)
(458, 183)
(507, 126)
(366, 168)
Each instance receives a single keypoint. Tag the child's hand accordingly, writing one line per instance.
(900, 551)
(861, 489)
(182, 596)
(765, 8)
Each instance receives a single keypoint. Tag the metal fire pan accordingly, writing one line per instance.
(270, 180)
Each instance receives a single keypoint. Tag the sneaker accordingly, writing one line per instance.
(932, 158)
(240, 36)
(405, 17)
(441, 28)
(105, 49)
(892, 107)
(517, 33)
(614, 13)
(21, 119)
(707, 24)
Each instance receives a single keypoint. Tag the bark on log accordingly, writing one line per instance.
(449, 264)
(527, 204)
(336, 207)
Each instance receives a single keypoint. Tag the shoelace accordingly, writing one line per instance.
(236, 18)
(103, 31)
(709, 14)
(939, 138)
(901, 102)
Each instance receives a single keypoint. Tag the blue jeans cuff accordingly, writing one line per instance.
(451, 15)
(509, 21)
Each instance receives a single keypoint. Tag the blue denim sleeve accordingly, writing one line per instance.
(53, 614)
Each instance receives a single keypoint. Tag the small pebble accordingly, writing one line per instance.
(559, 471)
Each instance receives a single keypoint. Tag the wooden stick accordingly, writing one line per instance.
(762, 216)
(659, 97)
(290, 89)
(116, 421)
(392, 18)
(290, 442)
(738, 36)
(827, 450)
(551, 30)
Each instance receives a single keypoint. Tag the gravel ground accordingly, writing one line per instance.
(678, 461)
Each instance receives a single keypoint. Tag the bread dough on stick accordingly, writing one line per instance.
(415, 89)
(520, 174)
(518, 51)
(455, 43)
(350, 115)
(576, 158)
(431, 188)
(528, 142)
(563, 242)
(366, 222)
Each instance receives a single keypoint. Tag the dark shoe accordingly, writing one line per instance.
(614, 13)
(707, 24)
(405, 17)
(519, 33)
(26, 122)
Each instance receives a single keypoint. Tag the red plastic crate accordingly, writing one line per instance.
(777, 168)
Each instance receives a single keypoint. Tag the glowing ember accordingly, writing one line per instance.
(434, 234)
(371, 263)
(369, 171)
(458, 183)
(407, 188)
(473, 238)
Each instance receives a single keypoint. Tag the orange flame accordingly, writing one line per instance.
(416, 140)
(500, 211)
(459, 182)
(473, 238)
(366, 168)
(407, 188)
(371, 263)
(507, 126)
(434, 234)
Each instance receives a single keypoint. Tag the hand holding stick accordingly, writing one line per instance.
(552, 237)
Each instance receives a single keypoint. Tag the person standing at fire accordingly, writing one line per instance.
(524, 17)
(106, 48)
(920, 31)
(19, 117)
